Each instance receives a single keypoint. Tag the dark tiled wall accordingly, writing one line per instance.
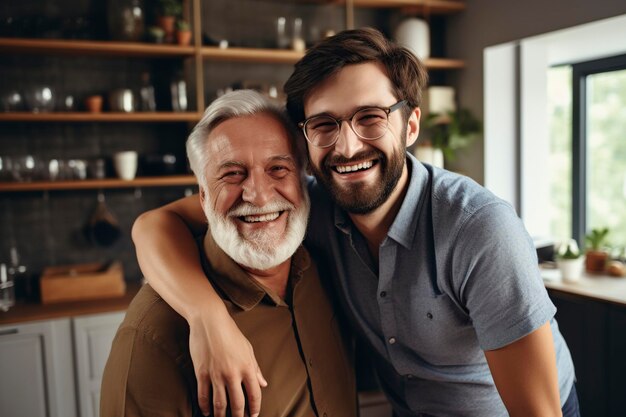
(46, 227)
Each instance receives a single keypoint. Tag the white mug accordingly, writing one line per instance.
(125, 164)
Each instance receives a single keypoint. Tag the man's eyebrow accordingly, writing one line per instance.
(354, 110)
(284, 158)
(230, 164)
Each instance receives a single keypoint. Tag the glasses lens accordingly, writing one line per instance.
(321, 130)
(370, 123)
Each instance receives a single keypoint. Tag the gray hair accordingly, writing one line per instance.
(236, 104)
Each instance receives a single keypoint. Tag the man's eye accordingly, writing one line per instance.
(232, 175)
(279, 170)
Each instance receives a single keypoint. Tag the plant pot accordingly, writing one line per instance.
(167, 23)
(596, 261)
(571, 269)
(94, 104)
(183, 37)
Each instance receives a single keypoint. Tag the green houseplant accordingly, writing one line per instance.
(167, 12)
(183, 32)
(569, 259)
(597, 255)
(452, 131)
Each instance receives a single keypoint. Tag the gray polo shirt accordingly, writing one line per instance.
(457, 275)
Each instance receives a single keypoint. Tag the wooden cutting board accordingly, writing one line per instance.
(82, 282)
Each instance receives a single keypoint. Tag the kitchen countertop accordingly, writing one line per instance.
(600, 287)
(25, 312)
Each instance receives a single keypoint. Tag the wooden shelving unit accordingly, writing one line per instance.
(196, 53)
(105, 117)
(272, 56)
(415, 6)
(90, 48)
(173, 180)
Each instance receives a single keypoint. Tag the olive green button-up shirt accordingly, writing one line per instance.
(298, 344)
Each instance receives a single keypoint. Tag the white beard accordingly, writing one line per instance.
(261, 249)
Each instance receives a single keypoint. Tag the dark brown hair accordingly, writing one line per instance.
(407, 74)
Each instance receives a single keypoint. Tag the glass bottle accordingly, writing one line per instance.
(7, 290)
(146, 93)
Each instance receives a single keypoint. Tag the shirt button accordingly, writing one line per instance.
(325, 415)
(429, 315)
(310, 362)
(392, 340)
(383, 294)
(409, 376)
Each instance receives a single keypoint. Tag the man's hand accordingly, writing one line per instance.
(225, 366)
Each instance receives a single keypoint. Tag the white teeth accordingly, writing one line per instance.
(262, 218)
(351, 168)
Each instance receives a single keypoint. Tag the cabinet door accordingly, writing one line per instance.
(584, 325)
(93, 336)
(36, 371)
(617, 362)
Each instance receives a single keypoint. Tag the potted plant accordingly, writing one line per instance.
(183, 32)
(156, 34)
(167, 13)
(570, 261)
(450, 132)
(597, 255)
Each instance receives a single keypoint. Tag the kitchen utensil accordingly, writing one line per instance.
(39, 99)
(125, 164)
(12, 101)
(7, 289)
(159, 164)
(178, 88)
(103, 228)
(122, 100)
(414, 34)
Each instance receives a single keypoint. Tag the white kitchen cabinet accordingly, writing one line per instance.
(36, 370)
(93, 336)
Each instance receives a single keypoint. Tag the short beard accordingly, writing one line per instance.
(259, 250)
(356, 198)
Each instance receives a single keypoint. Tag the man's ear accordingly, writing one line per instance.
(202, 195)
(413, 127)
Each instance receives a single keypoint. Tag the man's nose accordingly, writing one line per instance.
(257, 189)
(348, 143)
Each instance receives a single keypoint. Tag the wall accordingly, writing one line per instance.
(490, 22)
(47, 227)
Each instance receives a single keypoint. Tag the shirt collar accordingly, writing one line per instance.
(235, 283)
(404, 226)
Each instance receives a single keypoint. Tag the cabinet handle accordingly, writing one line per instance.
(6, 332)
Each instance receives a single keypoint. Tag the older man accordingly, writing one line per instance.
(250, 174)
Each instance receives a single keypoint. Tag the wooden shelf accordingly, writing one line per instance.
(416, 6)
(108, 48)
(443, 64)
(272, 56)
(291, 57)
(156, 117)
(171, 181)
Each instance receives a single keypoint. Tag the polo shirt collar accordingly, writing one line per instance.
(234, 282)
(404, 226)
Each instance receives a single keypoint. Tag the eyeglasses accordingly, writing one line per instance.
(370, 123)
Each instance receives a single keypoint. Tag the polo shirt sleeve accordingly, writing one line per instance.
(497, 278)
(141, 379)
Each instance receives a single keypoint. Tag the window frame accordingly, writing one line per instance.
(580, 71)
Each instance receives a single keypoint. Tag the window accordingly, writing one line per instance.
(587, 121)
(555, 129)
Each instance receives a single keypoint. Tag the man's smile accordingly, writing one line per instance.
(360, 166)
